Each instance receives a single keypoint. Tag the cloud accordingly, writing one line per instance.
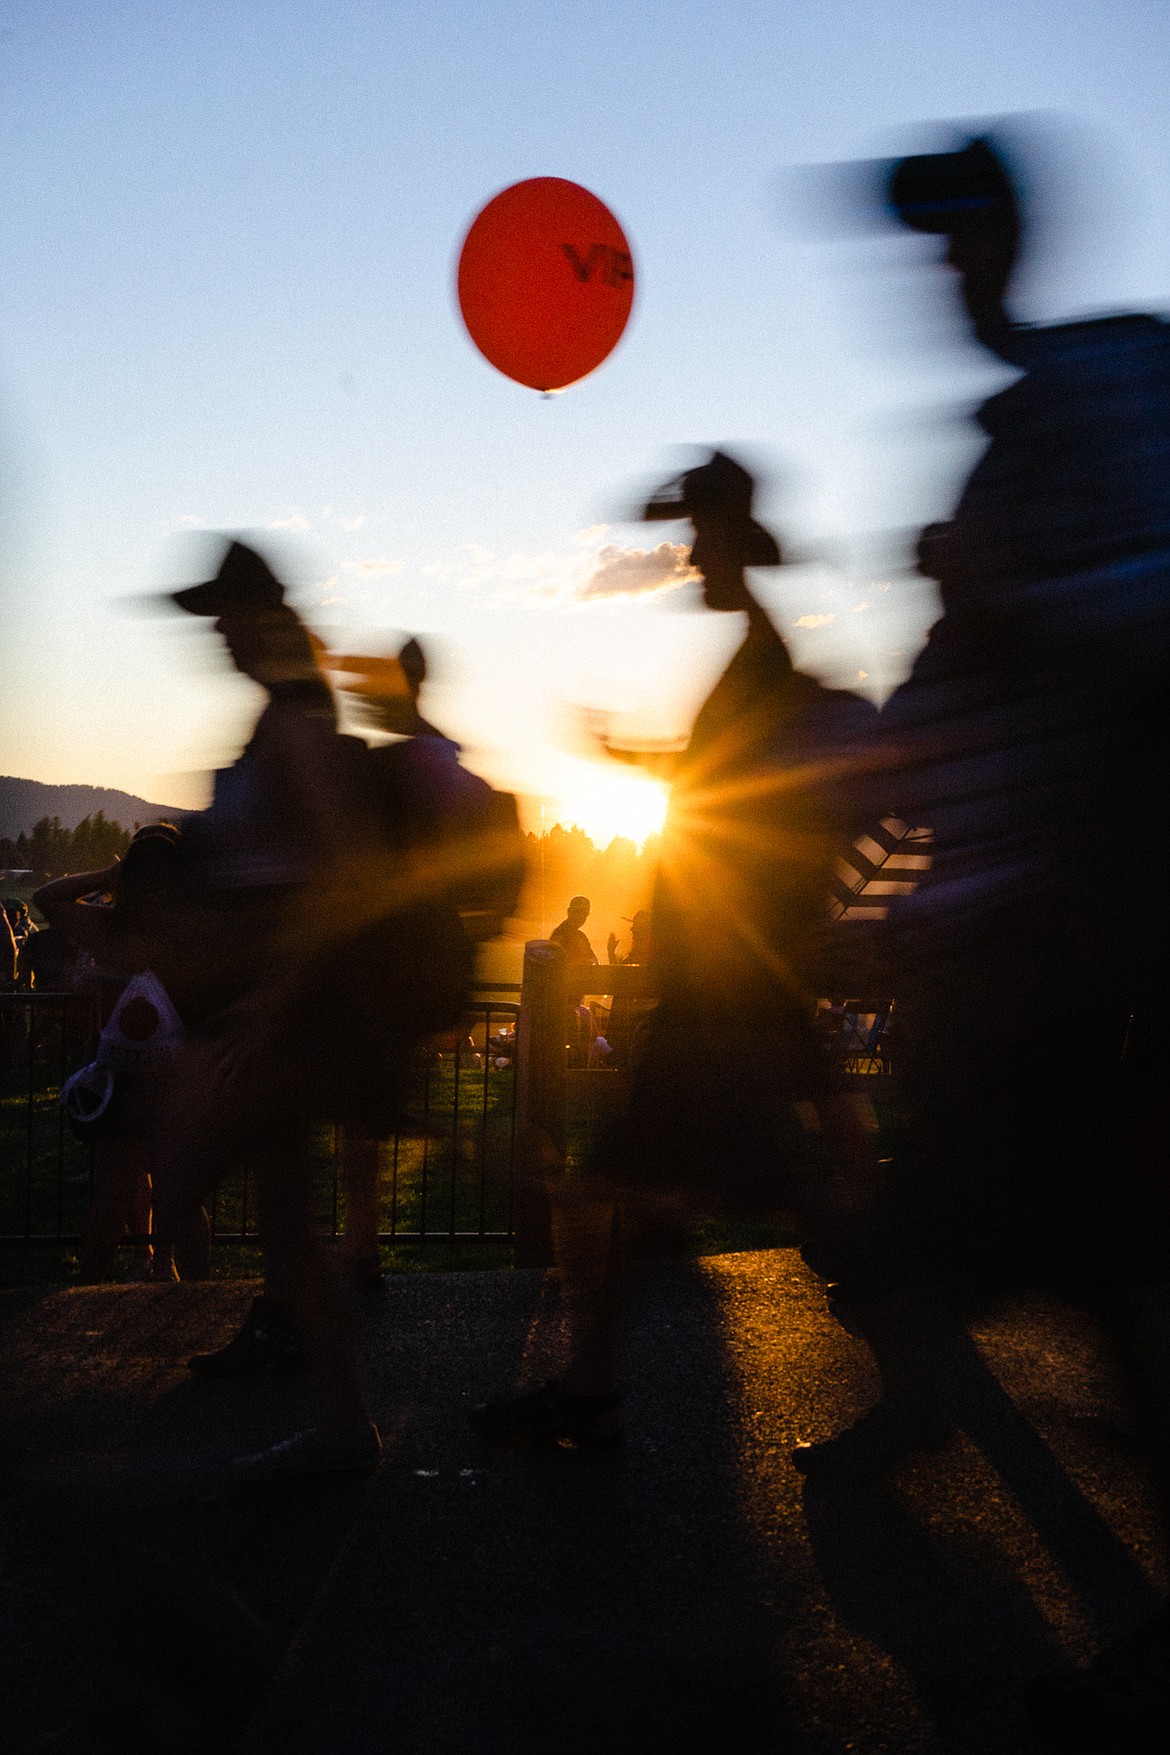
(814, 621)
(191, 520)
(565, 578)
(639, 572)
(329, 592)
(357, 523)
(295, 520)
(378, 566)
(590, 536)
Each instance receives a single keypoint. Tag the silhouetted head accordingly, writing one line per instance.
(150, 865)
(968, 198)
(640, 933)
(244, 584)
(413, 660)
(386, 690)
(717, 498)
(264, 635)
(577, 913)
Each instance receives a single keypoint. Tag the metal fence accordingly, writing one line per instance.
(446, 1174)
(467, 1161)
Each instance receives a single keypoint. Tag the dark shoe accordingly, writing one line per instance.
(1122, 1701)
(874, 1446)
(269, 1340)
(364, 1273)
(311, 1453)
(552, 1418)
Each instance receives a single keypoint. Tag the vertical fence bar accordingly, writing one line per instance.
(61, 1044)
(540, 1100)
(422, 1202)
(455, 1131)
(30, 1130)
(483, 1129)
(394, 1186)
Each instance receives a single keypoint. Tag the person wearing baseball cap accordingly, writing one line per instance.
(282, 822)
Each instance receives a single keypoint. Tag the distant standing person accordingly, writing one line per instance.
(578, 951)
(580, 960)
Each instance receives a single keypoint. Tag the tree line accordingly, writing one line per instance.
(618, 879)
(51, 851)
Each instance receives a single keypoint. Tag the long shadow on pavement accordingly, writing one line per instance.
(494, 1603)
(955, 1609)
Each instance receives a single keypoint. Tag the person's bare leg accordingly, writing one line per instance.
(193, 1245)
(591, 1243)
(300, 1272)
(192, 1145)
(121, 1202)
(360, 1157)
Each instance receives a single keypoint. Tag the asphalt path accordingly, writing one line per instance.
(692, 1594)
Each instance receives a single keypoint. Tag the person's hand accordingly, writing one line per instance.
(611, 945)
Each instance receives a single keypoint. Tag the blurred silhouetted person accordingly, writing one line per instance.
(1031, 738)
(268, 908)
(47, 960)
(456, 853)
(759, 800)
(122, 919)
(8, 951)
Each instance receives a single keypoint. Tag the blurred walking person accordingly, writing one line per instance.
(1031, 738)
(461, 841)
(760, 799)
(265, 910)
(122, 921)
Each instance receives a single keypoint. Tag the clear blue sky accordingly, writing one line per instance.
(227, 236)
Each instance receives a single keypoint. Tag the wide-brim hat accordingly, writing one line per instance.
(720, 489)
(938, 192)
(244, 585)
(933, 192)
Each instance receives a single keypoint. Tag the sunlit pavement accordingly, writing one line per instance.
(693, 1595)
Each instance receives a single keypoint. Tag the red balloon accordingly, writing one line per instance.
(546, 282)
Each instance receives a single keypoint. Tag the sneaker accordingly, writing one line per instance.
(311, 1453)
(269, 1339)
(873, 1446)
(1121, 1701)
(551, 1417)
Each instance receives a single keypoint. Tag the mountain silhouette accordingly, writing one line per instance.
(24, 802)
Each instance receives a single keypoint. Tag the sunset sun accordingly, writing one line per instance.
(607, 801)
